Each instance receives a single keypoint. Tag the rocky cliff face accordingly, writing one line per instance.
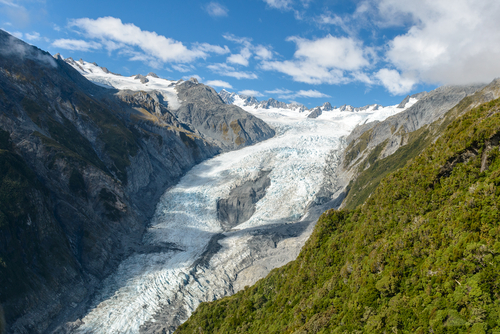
(82, 168)
(228, 126)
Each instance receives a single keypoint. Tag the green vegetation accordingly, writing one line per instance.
(368, 179)
(422, 255)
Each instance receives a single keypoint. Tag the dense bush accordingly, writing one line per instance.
(421, 255)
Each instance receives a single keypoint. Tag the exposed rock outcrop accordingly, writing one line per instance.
(227, 126)
(240, 205)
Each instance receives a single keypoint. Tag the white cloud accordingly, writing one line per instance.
(182, 67)
(394, 82)
(75, 44)
(240, 75)
(449, 42)
(9, 3)
(279, 91)
(343, 53)
(310, 93)
(229, 71)
(156, 46)
(215, 9)
(205, 47)
(289, 95)
(263, 53)
(322, 60)
(34, 36)
(279, 4)
(241, 58)
(330, 19)
(250, 92)
(219, 83)
(245, 41)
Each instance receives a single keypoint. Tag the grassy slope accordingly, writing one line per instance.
(421, 255)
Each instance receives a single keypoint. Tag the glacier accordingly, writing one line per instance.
(188, 257)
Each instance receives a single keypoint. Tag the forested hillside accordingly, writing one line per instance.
(421, 255)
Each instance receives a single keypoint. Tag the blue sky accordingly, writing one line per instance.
(309, 51)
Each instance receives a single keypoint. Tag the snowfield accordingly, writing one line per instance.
(164, 287)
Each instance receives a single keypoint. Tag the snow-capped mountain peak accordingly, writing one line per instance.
(103, 77)
(324, 111)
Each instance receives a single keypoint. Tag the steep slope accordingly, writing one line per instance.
(372, 141)
(378, 160)
(420, 256)
(83, 167)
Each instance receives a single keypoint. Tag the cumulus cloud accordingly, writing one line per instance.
(250, 92)
(448, 42)
(219, 83)
(215, 9)
(322, 60)
(395, 83)
(75, 44)
(155, 48)
(241, 58)
(261, 52)
(229, 71)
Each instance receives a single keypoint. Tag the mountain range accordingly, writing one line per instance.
(409, 243)
(250, 101)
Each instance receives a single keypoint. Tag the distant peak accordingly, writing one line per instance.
(142, 78)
